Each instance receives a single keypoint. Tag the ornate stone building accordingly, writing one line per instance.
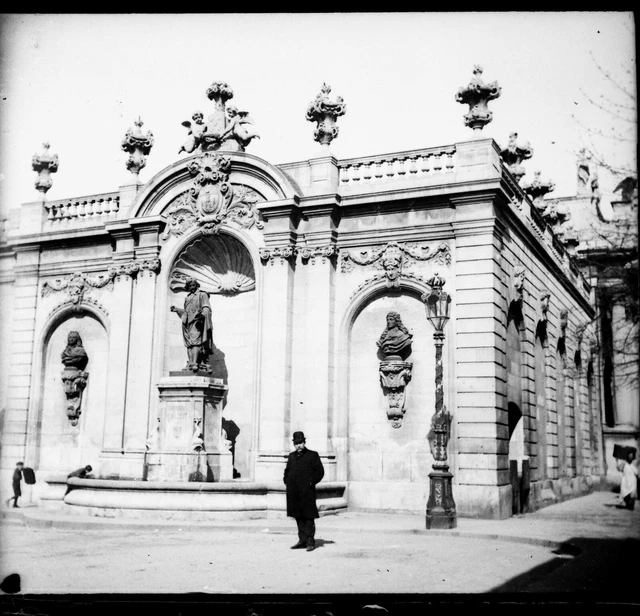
(318, 275)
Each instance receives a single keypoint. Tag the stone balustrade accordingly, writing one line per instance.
(92, 207)
(424, 162)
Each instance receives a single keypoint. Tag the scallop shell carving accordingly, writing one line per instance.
(219, 263)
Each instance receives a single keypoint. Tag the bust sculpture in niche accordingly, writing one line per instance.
(395, 340)
(74, 355)
(74, 379)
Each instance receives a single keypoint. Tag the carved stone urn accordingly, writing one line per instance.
(325, 113)
(138, 145)
(477, 95)
(44, 164)
(513, 155)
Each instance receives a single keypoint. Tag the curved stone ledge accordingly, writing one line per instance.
(114, 498)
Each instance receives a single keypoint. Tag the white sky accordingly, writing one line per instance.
(79, 81)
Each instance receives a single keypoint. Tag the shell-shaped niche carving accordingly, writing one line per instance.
(220, 263)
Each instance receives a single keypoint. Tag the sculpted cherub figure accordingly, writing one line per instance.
(238, 126)
(196, 130)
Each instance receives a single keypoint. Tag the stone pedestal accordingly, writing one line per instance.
(441, 509)
(190, 406)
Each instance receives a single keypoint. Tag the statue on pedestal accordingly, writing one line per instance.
(196, 327)
(74, 379)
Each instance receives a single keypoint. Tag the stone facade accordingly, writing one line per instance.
(303, 262)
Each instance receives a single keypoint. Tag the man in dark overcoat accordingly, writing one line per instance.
(15, 484)
(303, 471)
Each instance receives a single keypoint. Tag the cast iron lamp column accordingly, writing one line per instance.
(441, 508)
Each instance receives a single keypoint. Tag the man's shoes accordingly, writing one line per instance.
(298, 546)
(311, 547)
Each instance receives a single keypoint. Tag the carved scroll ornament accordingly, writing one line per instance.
(212, 200)
(394, 258)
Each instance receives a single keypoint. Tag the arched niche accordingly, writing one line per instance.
(387, 467)
(224, 268)
(60, 446)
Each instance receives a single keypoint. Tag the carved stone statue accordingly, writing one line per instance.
(196, 130)
(584, 170)
(225, 129)
(196, 327)
(395, 373)
(74, 379)
(239, 126)
(395, 340)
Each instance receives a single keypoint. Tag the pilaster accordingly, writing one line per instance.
(21, 351)
(122, 233)
(143, 305)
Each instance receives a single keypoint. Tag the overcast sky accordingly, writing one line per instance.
(79, 81)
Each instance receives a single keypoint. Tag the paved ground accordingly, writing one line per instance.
(583, 549)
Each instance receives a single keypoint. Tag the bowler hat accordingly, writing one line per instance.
(298, 437)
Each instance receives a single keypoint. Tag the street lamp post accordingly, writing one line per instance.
(441, 508)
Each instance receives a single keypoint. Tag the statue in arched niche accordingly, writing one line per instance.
(74, 378)
(395, 340)
(196, 327)
(395, 373)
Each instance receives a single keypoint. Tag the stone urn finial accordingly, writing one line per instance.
(325, 112)
(138, 145)
(537, 190)
(44, 164)
(477, 95)
(513, 155)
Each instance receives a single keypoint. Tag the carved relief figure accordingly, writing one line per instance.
(395, 340)
(196, 326)
(74, 379)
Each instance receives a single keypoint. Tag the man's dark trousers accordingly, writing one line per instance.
(306, 531)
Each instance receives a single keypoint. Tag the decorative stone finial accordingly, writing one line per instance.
(138, 145)
(45, 164)
(538, 189)
(514, 154)
(477, 94)
(325, 112)
(227, 128)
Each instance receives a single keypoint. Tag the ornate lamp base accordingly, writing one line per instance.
(441, 509)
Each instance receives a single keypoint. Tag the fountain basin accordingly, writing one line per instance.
(232, 500)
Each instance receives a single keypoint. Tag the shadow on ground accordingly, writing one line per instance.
(592, 569)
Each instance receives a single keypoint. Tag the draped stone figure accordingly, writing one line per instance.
(196, 327)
